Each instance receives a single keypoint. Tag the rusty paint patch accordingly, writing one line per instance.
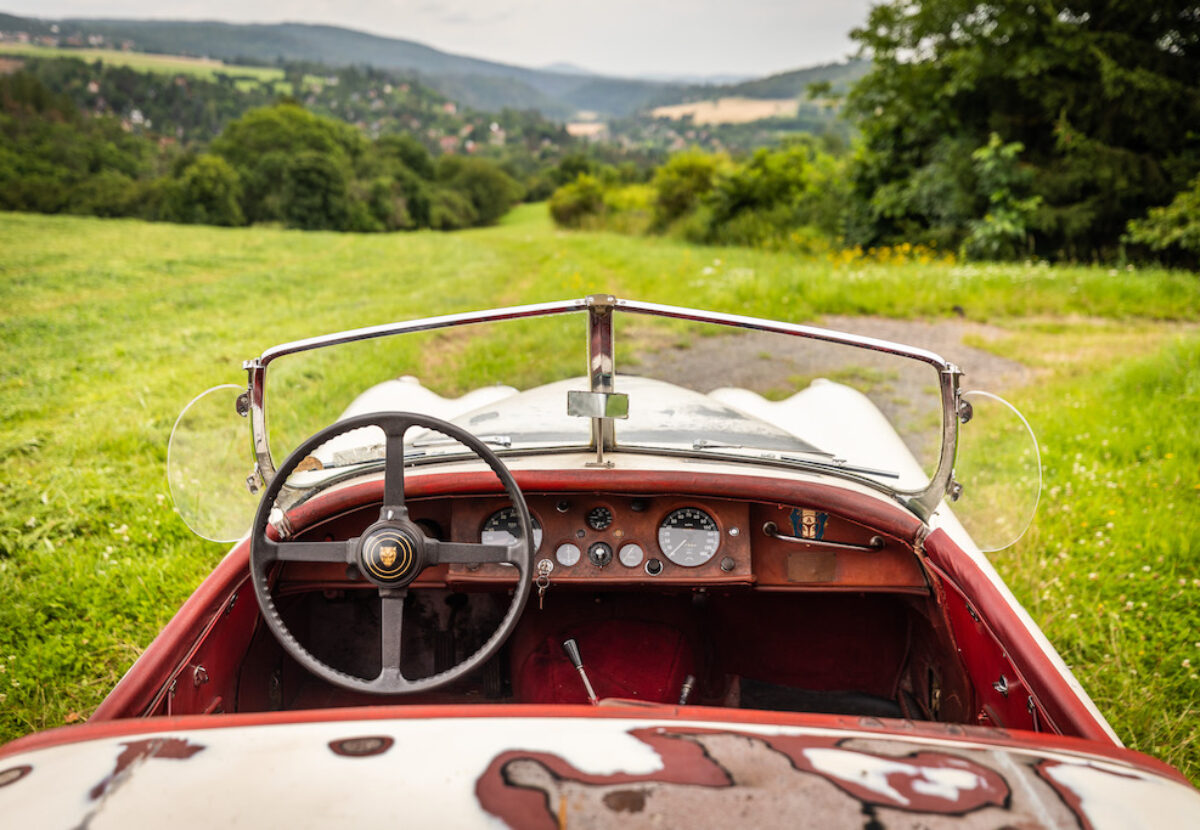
(174, 749)
(14, 774)
(625, 801)
(363, 747)
(769, 781)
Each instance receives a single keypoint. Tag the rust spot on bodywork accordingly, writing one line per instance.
(176, 749)
(625, 801)
(770, 780)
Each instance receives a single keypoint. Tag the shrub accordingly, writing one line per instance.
(1173, 230)
(683, 182)
(489, 189)
(572, 205)
(1003, 232)
(764, 201)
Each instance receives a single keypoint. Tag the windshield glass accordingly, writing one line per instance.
(694, 388)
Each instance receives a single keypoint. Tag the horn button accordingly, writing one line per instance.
(390, 556)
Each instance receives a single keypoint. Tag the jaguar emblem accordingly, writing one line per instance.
(387, 555)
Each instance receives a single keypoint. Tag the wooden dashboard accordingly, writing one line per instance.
(598, 539)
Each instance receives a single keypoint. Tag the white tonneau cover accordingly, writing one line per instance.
(613, 768)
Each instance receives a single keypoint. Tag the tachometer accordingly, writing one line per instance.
(688, 537)
(502, 528)
(599, 518)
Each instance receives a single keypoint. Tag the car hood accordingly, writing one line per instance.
(612, 766)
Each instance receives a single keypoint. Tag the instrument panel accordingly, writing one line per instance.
(597, 538)
(617, 538)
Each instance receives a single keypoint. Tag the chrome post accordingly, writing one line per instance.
(264, 468)
(601, 367)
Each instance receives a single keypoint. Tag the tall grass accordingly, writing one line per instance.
(110, 327)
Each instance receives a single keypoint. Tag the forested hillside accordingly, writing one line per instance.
(993, 132)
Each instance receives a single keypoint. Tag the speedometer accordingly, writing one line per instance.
(688, 537)
(502, 528)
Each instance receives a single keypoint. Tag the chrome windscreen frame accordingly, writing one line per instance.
(601, 309)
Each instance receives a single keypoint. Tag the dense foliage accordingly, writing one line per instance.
(279, 164)
(1100, 96)
(789, 196)
(1173, 232)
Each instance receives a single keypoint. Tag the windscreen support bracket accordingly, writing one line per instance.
(601, 374)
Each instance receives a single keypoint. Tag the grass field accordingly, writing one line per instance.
(110, 327)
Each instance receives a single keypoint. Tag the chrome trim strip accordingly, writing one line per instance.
(926, 500)
(794, 329)
(772, 530)
(257, 367)
(424, 324)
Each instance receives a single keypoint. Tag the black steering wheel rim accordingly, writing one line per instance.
(390, 554)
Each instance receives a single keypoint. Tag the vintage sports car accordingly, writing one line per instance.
(641, 597)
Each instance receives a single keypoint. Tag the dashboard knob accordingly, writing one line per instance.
(600, 554)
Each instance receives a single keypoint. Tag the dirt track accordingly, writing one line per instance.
(906, 391)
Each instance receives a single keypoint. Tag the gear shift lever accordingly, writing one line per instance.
(571, 648)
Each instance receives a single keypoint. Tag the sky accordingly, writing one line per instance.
(640, 38)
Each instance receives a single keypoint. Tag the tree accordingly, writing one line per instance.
(315, 193)
(1102, 94)
(264, 145)
(209, 193)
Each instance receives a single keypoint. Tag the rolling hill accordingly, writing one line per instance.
(484, 85)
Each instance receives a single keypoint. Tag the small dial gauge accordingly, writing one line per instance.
(567, 554)
(502, 528)
(631, 555)
(599, 518)
(688, 537)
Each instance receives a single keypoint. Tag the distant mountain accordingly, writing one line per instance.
(794, 84)
(559, 91)
(478, 83)
(564, 68)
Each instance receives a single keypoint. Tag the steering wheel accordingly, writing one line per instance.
(390, 554)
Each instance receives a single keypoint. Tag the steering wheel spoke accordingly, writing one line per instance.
(391, 626)
(470, 553)
(340, 551)
(393, 474)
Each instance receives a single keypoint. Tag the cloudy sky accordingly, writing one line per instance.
(620, 37)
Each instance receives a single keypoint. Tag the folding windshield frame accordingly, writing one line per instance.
(601, 309)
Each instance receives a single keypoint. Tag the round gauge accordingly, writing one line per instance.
(502, 528)
(688, 537)
(598, 518)
(567, 554)
(631, 555)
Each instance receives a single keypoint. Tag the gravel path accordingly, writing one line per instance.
(906, 391)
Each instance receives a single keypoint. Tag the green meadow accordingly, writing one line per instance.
(110, 327)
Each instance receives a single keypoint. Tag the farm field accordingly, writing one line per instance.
(729, 110)
(110, 327)
(204, 68)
